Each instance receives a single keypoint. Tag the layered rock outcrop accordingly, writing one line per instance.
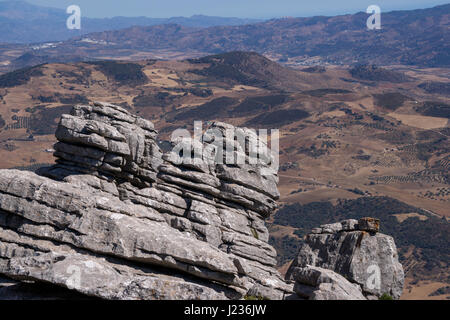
(116, 218)
(347, 260)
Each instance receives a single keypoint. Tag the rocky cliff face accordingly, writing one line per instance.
(116, 218)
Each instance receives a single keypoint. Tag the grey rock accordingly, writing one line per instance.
(249, 178)
(97, 277)
(331, 228)
(349, 225)
(316, 283)
(265, 293)
(203, 213)
(116, 233)
(368, 259)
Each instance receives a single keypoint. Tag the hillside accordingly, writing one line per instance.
(347, 140)
(416, 37)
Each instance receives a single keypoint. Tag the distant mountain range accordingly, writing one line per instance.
(418, 37)
(415, 37)
(22, 22)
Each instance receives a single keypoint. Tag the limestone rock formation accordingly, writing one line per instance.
(350, 256)
(116, 218)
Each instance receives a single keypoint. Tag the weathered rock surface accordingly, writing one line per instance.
(368, 260)
(116, 218)
(316, 283)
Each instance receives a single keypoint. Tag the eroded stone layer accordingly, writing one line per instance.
(114, 201)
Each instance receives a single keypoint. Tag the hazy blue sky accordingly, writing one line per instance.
(235, 8)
